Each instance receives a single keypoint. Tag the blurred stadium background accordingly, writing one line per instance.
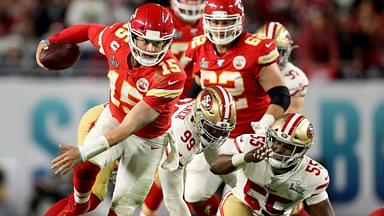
(341, 48)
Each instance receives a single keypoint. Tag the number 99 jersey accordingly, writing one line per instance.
(237, 71)
(269, 194)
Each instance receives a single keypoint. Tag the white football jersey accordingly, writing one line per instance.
(269, 194)
(295, 80)
(183, 131)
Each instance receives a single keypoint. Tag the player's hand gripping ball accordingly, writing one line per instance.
(58, 56)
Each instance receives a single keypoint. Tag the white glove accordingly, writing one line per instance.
(264, 123)
(258, 127)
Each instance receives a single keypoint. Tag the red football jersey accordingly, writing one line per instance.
(237, 71)
(159, 86)
(183, 35)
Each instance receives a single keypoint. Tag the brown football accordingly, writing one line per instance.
(60, 55)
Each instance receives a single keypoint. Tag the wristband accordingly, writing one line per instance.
(94, 147)
(238, 159)
(267, 120)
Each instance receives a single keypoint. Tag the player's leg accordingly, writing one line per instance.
(230, 205)
(201, 196)
(153, 199)
(136, 171)
(84, 174)
(86, 123)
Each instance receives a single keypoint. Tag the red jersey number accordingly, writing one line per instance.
(271, 199)
(188, 139)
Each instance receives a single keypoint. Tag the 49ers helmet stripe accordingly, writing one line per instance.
(271, 29)
(226, 107)
(291, 123)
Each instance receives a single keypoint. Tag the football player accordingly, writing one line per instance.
(200, 125)
(275, 173)
(186, 16)
(246, 65)
(294, 77)
(145, 82)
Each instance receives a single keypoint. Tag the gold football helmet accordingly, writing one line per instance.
(293, 131)
(214, 116)
(282, 38)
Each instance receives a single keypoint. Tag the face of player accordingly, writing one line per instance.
(222, 24)
(149, 52)
(149, 45)
(222, 30)
(283, 154)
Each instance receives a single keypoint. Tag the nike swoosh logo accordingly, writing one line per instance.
(172, 82)
(268, 44)
(154, 147)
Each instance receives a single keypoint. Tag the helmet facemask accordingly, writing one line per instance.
(222, 35)
(144, 57)
(289, 138)
(284, 52)
(211, 135)
(281, 161)
(214, 116)
(188, 12)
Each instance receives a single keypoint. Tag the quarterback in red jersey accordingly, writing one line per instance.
(246, 65)
(145, 82)
(186, 16)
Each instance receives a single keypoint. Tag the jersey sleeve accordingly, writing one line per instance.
(78, 33)
(248, 142)
(268, 52)
(191, 54)
(321, 184)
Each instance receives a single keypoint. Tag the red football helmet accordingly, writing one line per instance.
(230, 13)
(188, 10)
(150, 22)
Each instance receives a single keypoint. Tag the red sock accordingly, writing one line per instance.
(111, 213)
(377, 212)
(57, 207)
(208, 207)
(84, 176)
(94, 202)
(154, 197)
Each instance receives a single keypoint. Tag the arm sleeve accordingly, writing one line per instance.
(317, 198)
(172, 184)
(77, 33)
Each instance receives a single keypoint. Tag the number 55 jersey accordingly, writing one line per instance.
(269, 194)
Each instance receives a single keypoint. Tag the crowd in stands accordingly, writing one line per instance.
(339, 39)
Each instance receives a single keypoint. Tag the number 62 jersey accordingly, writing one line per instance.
(270, 194)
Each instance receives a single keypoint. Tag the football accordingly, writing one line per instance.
(60, 55)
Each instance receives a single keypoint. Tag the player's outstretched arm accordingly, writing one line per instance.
(140, 115)
(323, 208)
(225, 164)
